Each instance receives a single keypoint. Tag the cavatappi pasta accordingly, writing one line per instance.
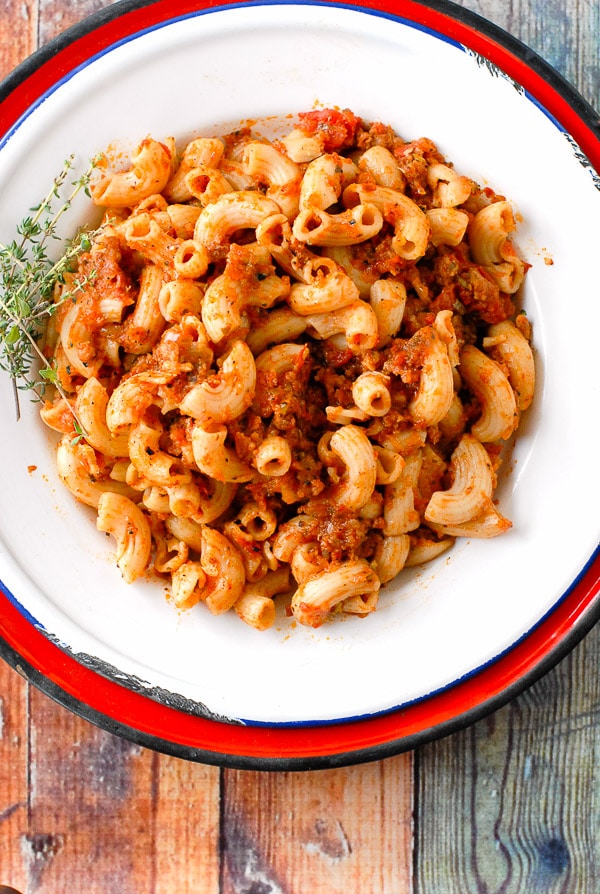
(294, 362)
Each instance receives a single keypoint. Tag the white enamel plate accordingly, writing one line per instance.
(210, 687)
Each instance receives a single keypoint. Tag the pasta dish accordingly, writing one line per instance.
(288, 366)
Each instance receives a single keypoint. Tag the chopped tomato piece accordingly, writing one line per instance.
(336, 128)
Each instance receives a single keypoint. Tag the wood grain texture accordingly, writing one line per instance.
(330, 832)
(14, 764)
(19, 36)
(187, 822)
(82, 810)
(512, 804)
(91, 812)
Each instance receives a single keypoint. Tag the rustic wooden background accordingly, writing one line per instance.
(509, 806)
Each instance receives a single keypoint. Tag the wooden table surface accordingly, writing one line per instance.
(508, 806)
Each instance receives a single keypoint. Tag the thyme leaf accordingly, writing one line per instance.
(29, 277)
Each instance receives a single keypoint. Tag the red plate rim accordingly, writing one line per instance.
(132, 714)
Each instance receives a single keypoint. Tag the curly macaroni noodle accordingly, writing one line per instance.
(291, 365)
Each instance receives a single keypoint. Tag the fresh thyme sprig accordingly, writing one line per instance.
(28, 280)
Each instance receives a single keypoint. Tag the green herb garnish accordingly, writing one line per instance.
(28, 280)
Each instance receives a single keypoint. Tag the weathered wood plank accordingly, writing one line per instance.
(13, 774)
(23, 19)
(187, 824)
(331, 832)
(92, 810)
(511, 804)
(107, 815)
